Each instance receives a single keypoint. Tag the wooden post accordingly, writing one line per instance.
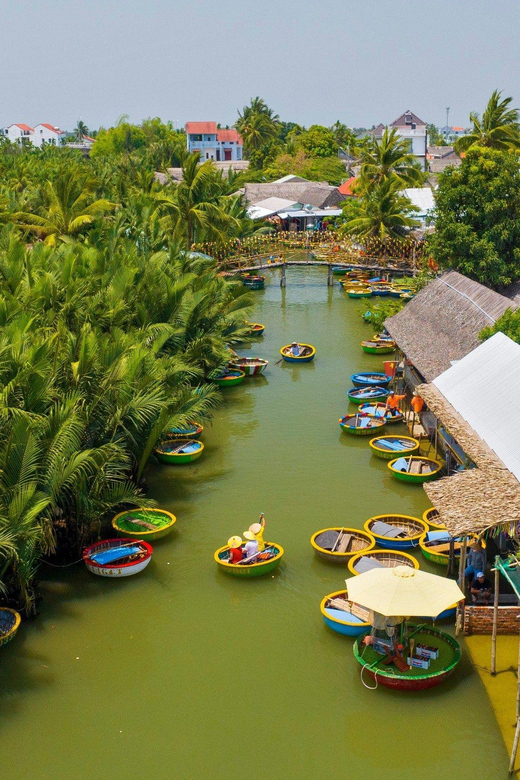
(451, 559)
(283, 280)
(459, 624)
(330, 277)
(512, 760)
(518, 684)
(495, 622)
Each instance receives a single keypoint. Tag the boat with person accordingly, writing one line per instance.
(189, 431)
(396, 532)
(178, 453)
(263, 562)
(228, 378)
(370, 379)
(432, 517)
(415, 469)
(378, 347)
(10, 621)
(436, 545)
(360, 395)
(340, 544)
(149, 524)
(361, 424)
(117, 557)
(387, 447)
(376, 409)
(377, 559)
(255, 328)
(342, 615)
(251, 366)
(306, 353)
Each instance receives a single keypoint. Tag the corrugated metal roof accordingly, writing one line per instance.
(483, 388)
(422, 197)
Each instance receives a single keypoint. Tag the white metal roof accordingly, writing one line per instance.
(484, 387)
(422, 197)
(268, 206)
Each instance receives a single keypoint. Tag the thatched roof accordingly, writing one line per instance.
(317, 194)
(442, 322)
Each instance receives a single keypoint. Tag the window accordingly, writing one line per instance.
(196, 137)
(408, 119)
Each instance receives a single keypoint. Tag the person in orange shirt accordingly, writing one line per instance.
(417, 403)
(392, 403)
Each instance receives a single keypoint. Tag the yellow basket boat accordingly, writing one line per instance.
(340, 544)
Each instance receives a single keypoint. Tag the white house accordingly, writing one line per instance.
(19, 134)
(408, 125)
(213, 144)
(47, 134)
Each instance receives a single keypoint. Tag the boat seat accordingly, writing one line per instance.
(367, 564)
(115, 554)
(339, 614)
(339, 603)
(358, 544)
(385, 529)
(344, 545)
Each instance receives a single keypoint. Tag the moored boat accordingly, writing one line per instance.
(191, 431)
(387, 447)
(254, 282)
(377, 559)
(339, 270)
(266, 561)
(117, 557)
(359, 292)
(228, 378)
(378, 347)
(359, 395)
(255, 328)
(149, 524)
(343, 616)
(396, 532)
(436, 670)
(382, 337)
(9, 623)
(175, 452)
(307, 353)
(361, 424)
(415, 469)
(380, 410)
(340, 544)
(251, 366)
(435, 546)
(432, 517)
(370, 379)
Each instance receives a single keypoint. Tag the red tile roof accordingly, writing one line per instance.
(346, 187)
(201, 128)
(23, 127)
(228, 135)
(54, 129)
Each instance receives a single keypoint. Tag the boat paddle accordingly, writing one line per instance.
(178, 448)
(337, 539)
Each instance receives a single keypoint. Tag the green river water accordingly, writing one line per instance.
(184, 672)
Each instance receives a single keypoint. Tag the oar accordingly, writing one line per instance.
(337, 540)
(409, 465)
(178, 448)
(255, 555)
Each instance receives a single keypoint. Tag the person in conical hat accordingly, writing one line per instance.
(257, 529)
(235, 549)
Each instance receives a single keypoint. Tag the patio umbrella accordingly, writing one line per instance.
(403, 591)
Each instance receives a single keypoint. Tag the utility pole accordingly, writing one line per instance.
(447, 116)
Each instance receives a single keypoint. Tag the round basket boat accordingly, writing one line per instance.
(415, 469)
(260, 567)
(360, 395)
(9, 623)
(414, 679)
(379, 410)
(340, 544)
(149, 524)
(228, 378)
(251, 366)
(374, 559)
(378, 347)
(192, 431)
(255, 328)
(178, 453)
(382, 338)
(117, 557)
(344, 617)
(370, 379)
(361, 425)
(359, 292)
(339, 270)
(254, 282)
(396, 532)
(435, 546)
(432, 517)
(307, 353)
(387, 447)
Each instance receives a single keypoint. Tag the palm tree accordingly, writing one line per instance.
(383, 212)
(257, 124)
(80, 130)
(499, 127)
(391, 156)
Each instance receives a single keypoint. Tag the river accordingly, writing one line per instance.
(183, 672)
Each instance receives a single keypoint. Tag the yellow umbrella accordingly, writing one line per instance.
(403, 591)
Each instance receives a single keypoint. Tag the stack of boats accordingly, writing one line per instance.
(357, 284)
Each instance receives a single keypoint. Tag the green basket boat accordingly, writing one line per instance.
(144, 524)
(387, 447)
(361, 424)
(191, 431)
(435, 546)
(228, 378)
(247, 570)
(415, 469)
(378, 347)
(358, 293)
(178, 453)
(9, 623)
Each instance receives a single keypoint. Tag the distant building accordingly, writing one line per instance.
(47, 134)
(439, 157)
(212, 143)
(409, 126)
(452, 133)
(19, 134)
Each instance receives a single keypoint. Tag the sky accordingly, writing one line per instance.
(312, 62)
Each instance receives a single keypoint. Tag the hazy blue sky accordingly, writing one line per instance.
(314, 62)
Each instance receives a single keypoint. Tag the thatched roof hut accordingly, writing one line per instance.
(317, 194)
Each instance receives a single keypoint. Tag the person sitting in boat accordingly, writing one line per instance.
(480, 588)
(257, 529)
(295, 349)
(475, 561)
(236, 553)
(392, 403)
(250, 548)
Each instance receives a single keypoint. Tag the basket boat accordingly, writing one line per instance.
(413, 679)
(192, 431)
(251, 366)
(258, 568)
(387, 447)
(380, 338)
(432, 517)
(396, 532)
(255, 328)
(9, 623)
(176, 453)
(361, 425)
(339, 270)
(343, 616)
(370, 379)
(307, 353)
(435, 546)
(117, 557)
(254, 282)
(359, 395)
(415, 469)
(228, 378)
(149, 524)
(376, 409)
(374, 559)
(340, 544)
(378, 347)
(353, 292)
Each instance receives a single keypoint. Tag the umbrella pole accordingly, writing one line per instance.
(495, 621)
(460, 606)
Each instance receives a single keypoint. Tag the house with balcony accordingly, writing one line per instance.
(213, 143)
(409, 126)
(47, 134)
(19, 134)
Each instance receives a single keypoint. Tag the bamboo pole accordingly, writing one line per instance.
(518, 683)
(495, 621)
(514, 751)
(460, 606)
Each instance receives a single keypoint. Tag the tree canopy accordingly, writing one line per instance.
(497, 129)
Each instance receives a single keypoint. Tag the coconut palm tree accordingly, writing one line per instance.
(80, 130)
(391, 156)
(498, 128)
(383, 212)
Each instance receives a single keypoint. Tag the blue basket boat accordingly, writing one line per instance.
(370, 379)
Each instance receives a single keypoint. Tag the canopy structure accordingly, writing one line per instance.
(403, 591)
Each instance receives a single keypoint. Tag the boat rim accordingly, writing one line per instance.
(414, 537)
(338, 620)
(249, 565)
(181, 454)
(17, 620)
(145, 509)
(439, 465)
(298, 357)
(87, 552)
(367, 534)
(391, 436)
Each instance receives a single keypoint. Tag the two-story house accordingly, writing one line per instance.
(212, 143)
(47, 134)
(19, 134)
(409, 126)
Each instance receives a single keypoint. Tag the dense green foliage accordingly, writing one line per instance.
(508, 323)
(497, 129)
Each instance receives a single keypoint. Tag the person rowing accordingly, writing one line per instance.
(295, 349)
(392, 403)
(257, 529)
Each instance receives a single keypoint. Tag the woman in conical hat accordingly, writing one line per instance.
(257, 529)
